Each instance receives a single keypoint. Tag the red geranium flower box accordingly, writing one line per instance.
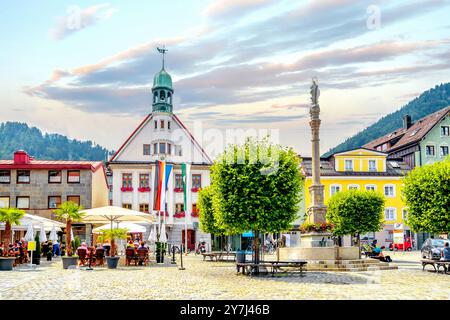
(178, 215)
(126, 189)
(160, 213)
(196, 189)
(144, 189)
(194, 214)
(178, 189)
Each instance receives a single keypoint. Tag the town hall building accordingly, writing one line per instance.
(162, 136)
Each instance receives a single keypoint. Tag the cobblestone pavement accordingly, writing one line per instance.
(218, 280)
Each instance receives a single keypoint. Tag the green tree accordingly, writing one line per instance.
(11, 217)
(69, 211)
(208, 223)
(356, 212)
(113, 235)
(257, 186)
(427, 197)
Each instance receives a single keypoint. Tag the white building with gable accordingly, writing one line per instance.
(162, 136)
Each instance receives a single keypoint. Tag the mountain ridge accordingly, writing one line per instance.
(46, 146)
(428, 102)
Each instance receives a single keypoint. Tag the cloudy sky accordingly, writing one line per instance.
(85, 68)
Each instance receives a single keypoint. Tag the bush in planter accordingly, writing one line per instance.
(113, 235)
(69, 211)
(37, 252)
(76, 242)
(161, 248)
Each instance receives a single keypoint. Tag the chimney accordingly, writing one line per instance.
(21, 157)
(406, 121)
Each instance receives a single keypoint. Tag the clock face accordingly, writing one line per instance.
(162, 157)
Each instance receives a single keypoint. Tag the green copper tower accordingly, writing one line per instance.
(162, 88)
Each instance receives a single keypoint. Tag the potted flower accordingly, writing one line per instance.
(195, 189)
(178, 189)
(112, 235)
(194, 214)
(11, 217)
(69, 211)
(144, 189)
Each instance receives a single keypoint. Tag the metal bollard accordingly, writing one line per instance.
(181, 260)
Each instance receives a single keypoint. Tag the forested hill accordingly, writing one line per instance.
(428, 102)
(19, 136)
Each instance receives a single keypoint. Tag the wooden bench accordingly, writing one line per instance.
(275, 267)
(218, 255)
(436, 264)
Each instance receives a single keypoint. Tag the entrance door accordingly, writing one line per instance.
(190, 239)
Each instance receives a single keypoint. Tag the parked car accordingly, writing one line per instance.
(406, 245)
(432, 248)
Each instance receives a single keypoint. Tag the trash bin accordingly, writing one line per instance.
(240, 256)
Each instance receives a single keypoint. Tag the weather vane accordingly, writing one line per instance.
(163, 51)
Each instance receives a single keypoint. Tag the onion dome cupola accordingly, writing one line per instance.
(162, 89)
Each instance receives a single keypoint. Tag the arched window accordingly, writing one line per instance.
(162, 95)
(155, 96)
(169, 97)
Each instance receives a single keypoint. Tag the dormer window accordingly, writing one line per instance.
(372, 165)
(348, 165)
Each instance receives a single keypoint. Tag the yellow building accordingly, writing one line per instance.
(363, 169)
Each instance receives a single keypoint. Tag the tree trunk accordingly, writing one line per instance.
(255, 247)
(7, 238)
(113, 247)
(358, 243)
(68, 238)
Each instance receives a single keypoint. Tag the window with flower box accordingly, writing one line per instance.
(178, 183)
(144, 182)
(196, 182)
(195, 210)
(127, 182)
(179, 211)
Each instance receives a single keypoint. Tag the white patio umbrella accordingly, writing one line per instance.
(110, 214)
(71, 234)
(162, 235)
(42, 235)
(36, 221)
(152, 237)
(29, 236)
(53, 236)
(131, 227)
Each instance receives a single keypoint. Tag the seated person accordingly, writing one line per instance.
(142, 246)
(446, 252)
(379, 254)
(130, 244)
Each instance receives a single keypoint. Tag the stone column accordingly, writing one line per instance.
(317, 210)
